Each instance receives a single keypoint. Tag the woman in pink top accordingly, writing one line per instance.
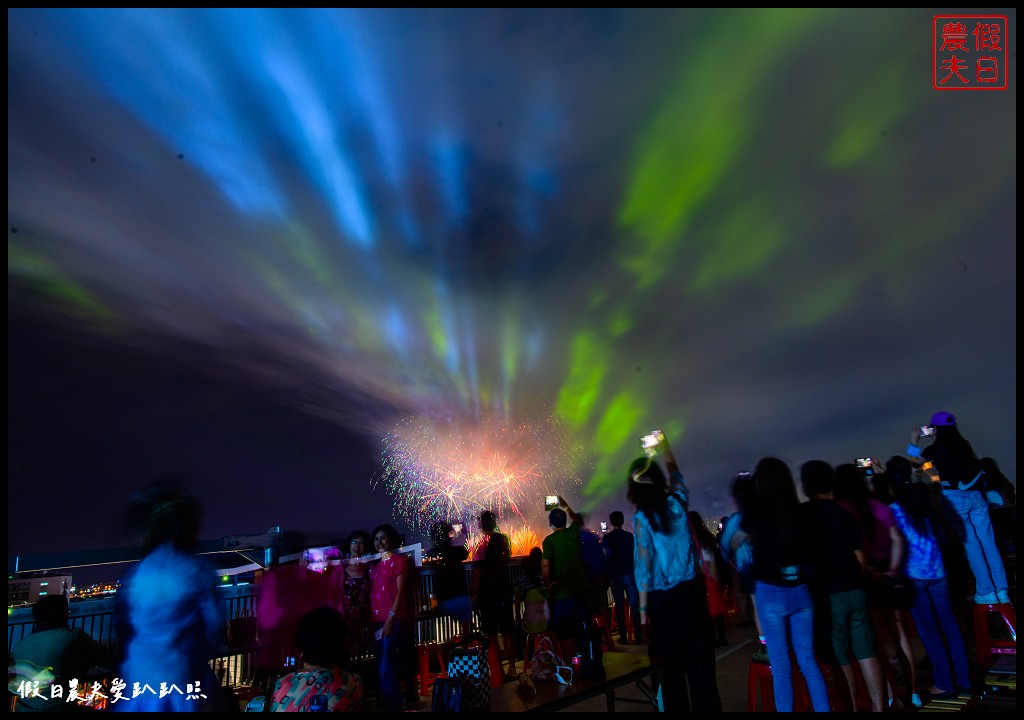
(392, 619)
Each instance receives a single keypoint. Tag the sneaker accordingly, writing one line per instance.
(915, 700)
(761, 654)
(1002, 596)
(986, 599)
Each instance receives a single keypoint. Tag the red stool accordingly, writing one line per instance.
(423, 651)
(494, 663)
(984, 644)
(759, 678)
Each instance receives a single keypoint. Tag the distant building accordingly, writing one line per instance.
(29, 587)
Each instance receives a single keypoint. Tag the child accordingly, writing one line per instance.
(531, 598)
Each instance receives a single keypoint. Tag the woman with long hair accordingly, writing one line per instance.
(932, 610)
(355, 593)
(713, 563)
(955, 465)
(741, 555)
(779, 535)
(672, 595)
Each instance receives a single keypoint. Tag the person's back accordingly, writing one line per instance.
(618, 544)
(177, 623)
(595, 562)
(494, 557)
(321, 684)
(493, 588)
(782, 554)
(451, 589)
(837, 539)
(173, 620)
(450, 574)
(563, 550)
(53, 654)
(595, 565)
(842, 619)
(531, 594)
(563, 571)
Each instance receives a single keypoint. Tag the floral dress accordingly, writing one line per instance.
(357, 612)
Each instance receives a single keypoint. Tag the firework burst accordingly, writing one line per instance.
(450, 470)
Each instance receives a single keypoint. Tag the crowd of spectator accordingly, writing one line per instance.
(840, 578)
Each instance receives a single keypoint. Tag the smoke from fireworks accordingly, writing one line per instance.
(452, 470)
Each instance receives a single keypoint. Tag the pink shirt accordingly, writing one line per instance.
(384, 580)
(877, 542)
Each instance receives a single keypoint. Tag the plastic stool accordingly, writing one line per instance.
(494, 663)
(984, 644)
(759, 677)
(426, 677)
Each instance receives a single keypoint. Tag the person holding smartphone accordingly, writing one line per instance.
(565, 575)
(961, 473)
(673, 598)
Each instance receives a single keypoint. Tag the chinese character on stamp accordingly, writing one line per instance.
(970, 52)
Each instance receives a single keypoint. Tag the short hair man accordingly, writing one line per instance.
(618, 544)
(564, 575)
(63, 653)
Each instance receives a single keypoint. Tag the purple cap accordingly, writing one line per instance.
(943, 418)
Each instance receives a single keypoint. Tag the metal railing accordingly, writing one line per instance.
(236, 666)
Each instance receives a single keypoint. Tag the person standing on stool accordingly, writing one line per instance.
(492, 588)
(781, 539)
(958, 469)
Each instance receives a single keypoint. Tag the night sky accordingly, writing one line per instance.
(340, 267)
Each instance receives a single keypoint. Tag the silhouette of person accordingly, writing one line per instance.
(53, 655)
(171, 620)
(493, 589)
(565, 574)
(618, 544)
(450, 586)
(960, 472)
(781, 542)
(672, 597)
(322, 684)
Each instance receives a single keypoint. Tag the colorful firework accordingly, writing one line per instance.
(452, 470)
(522, 538)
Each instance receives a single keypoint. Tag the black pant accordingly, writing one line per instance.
(681, 631)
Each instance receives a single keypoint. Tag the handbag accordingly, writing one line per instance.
(446, 696)
(545, 661)
(468, 662)
(591, 654)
